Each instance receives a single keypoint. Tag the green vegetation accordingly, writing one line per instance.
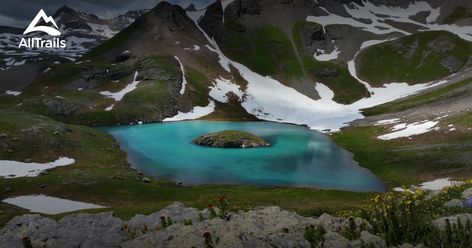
(448, 92)
(231, 139)
(345, 87)
(459, 13)
(198, 86)
(407, 162)
(314, 235)
(268, 51)
(417, 58)
(408, 218)
(149, 102)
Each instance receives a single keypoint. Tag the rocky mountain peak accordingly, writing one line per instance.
(174, 16)
(191, 7)
(213, 18)
(64, 9)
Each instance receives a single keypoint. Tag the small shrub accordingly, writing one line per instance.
(314, 235)
(208, 240)
(27, 242)
(352, 232)
(188, 222)
(165, 222)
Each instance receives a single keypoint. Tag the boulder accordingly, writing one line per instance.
(61, 107)
(453, 220)
(466, 194)
(454, 203)
(325, 72)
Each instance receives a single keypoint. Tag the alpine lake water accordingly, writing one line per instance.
(297, 157)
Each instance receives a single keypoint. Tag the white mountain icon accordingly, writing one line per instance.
(47, 19)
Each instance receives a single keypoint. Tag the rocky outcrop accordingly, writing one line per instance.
(239, 8)
(453, 220)
(231, 139)
(61, 107)
(312, 33)
(184, 227)
(452, 64)
(213, 19)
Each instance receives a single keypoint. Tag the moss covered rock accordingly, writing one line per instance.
(231, 139)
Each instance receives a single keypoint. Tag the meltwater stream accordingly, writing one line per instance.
(298, 156)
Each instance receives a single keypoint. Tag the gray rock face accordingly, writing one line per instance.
(467, 193)
(150, 70)
(177, 212)
(40, 230)
(213, 18)
(327, 72)
(441, 222)
(80, 230)
(452, 64)
(61, 107)
(455, 203)
(312, 33)
(239, 8)
(264, 227)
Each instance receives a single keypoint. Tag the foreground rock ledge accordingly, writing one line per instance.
(231, 139)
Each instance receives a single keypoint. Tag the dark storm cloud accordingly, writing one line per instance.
(20, 12)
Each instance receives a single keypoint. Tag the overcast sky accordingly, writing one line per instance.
(19, 13)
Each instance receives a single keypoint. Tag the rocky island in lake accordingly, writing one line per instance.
(231, 139)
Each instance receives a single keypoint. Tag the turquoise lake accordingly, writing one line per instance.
(297, 157)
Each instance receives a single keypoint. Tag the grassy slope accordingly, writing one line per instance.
(405, 161)
(396, 64)
(268, 51)
(147, 102)
(346, 88)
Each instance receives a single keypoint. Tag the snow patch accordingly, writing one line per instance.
(439, 184)
(221, 87)
(195, 113)
(110, 108)
(13, 93)
(379, 16)
(48, 204)
(184, 80)
(328, 56)
(117, 96)
(387, 122)
(407, 130)
(15, 169)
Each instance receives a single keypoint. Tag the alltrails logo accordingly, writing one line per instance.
(51, 30)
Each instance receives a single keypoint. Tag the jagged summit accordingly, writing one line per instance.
(64, 9)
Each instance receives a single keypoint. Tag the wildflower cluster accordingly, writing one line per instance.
(223, 211)
(402, 217)
(406, 217)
